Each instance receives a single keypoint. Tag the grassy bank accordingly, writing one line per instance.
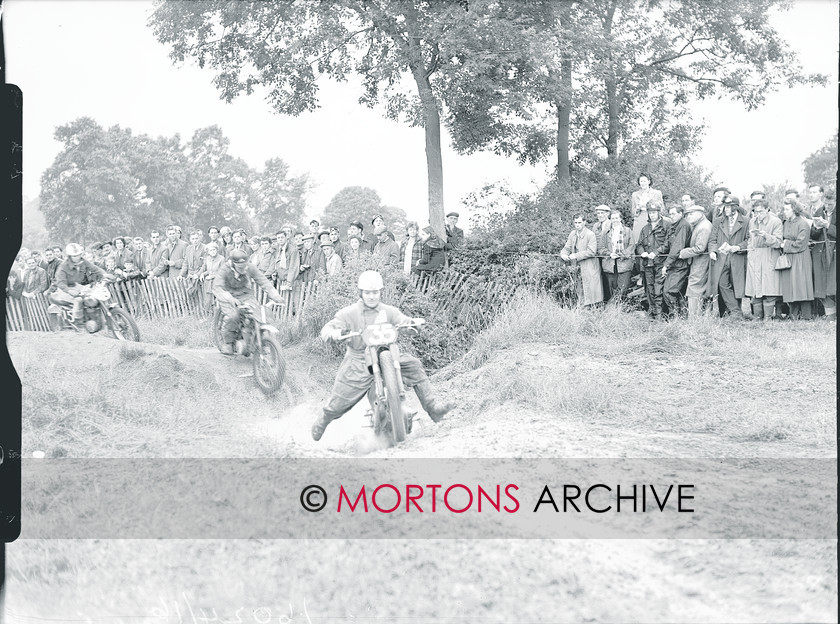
(746, 381)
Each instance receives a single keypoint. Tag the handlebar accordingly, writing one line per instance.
(412, 323)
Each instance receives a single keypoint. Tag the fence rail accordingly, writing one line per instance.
(164, 298)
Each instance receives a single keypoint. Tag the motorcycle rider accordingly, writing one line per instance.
(232, 287)
(70, 276)
(354, 378)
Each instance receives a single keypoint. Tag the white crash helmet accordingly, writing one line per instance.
(74, 249)
(370, 280)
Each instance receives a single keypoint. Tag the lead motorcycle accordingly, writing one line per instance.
(388, 414)
(100, 312)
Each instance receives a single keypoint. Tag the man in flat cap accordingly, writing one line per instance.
(695, 253)
(386, 247)
(454, 234)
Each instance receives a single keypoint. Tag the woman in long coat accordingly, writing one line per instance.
(797, 282)
(639, 200)
(581, 249)
(762, 284)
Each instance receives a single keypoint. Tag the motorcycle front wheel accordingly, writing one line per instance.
(396, 412)
(216, 327)
(269, 365)
(123, 326)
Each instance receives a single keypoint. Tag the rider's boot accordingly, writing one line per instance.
(320, 425)
(434, 406)
(227, 348)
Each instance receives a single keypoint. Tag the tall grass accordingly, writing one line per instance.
(749, 381)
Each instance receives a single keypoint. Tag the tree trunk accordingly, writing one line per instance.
(612, 112)
(564, 110)
(434, 158)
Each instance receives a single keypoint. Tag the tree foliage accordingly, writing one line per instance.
(283, 48)
(105, 183)
(821, 166)
(360, 203)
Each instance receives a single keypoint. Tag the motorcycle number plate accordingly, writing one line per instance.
(381, 334)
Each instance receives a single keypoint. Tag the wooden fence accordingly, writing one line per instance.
(467, 301)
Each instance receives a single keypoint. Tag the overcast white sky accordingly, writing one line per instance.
(98, 58)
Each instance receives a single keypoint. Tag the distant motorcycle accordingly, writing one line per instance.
(388, 414)
(258, 339)
(100, 312)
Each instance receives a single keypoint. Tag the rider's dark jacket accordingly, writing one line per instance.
(69, 277)
(241, 286)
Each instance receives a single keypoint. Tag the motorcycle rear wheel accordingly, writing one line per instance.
(269, 365)
(396, 410)
(124, 326)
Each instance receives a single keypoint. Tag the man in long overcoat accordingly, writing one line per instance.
(581, 249)
(727, 246)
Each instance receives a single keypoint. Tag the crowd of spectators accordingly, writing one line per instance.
(290, 259)
(780, 260)
(743, 261)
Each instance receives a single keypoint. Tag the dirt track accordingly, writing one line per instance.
(430, 580)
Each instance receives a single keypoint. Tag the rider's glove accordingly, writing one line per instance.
(330, 333)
